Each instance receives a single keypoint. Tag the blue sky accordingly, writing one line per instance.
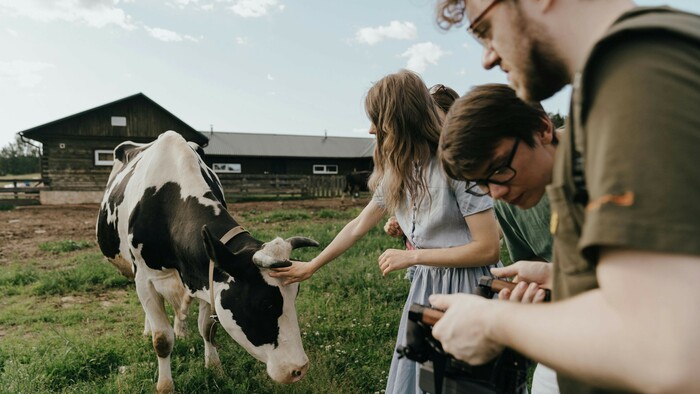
(258, 66)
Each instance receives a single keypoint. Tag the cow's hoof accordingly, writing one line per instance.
(180, 330)
(166, 387)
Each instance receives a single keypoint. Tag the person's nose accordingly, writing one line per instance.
(490, 58)
(498, 191)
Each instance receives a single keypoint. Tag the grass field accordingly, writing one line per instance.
(71, 323)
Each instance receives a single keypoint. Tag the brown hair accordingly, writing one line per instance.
(479, 120)
(408, 131)
(451, 13)
(444, 96)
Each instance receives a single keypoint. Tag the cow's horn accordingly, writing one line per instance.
(263, 260)
(301, 242)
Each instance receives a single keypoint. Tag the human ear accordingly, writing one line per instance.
(546, 133)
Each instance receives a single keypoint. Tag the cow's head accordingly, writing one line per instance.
(255, 309)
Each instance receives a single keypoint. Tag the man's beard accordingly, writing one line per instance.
(544, 72)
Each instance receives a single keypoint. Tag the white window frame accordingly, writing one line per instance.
(230, 168)
(325, 169)
(119, 121)
(102, 162)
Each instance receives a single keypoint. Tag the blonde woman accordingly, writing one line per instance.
(455, 234)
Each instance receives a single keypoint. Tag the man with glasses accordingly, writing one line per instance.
(502, 147)
(623, 193)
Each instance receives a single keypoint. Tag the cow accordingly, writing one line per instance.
(356, 182)
(163, 221)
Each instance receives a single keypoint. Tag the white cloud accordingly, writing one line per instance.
(95, 13)
(25, 74)
(242, 40)
(182, 3)
(270, 77)
(254, 8)
(11, 32)
(168, 35)
(207, 7)
(420, 55)
(395, 30)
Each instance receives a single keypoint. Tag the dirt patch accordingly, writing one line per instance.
(24, 228)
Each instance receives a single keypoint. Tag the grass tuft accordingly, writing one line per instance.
(64, 246)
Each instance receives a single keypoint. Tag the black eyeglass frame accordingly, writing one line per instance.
(480, 187)
(436, 88)
(480, 36)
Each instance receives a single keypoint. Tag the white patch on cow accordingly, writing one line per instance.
(272, 252)
(174, 160)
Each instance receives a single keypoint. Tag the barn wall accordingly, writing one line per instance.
(53, 197)
(73, 167)
(290, 165)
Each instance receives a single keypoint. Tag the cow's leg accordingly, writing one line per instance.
(162, 332)
(170, 287)
(181, 308)
(207, 328)
(146, 327)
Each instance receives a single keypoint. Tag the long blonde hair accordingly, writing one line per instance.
(408, 131)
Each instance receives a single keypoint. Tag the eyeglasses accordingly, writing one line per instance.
(441, 90)
(436, 88)
(499, 176)
(480, 35)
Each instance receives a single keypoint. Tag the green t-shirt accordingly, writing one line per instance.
(526, 231)
(636, 123)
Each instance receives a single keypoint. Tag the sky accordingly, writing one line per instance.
(256, 66)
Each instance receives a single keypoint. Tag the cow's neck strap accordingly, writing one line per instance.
(230, 234)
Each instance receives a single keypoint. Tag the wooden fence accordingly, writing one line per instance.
(20, 190)
(271, 185)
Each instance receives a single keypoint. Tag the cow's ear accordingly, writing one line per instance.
(223, 258)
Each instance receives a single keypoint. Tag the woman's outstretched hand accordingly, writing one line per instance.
(297, 272)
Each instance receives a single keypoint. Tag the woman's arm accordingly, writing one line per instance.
(351, 233)
(482, 250)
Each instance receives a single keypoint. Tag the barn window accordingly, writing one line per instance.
(325, 169)
(104, 157)
(119, 121)
(234, 168)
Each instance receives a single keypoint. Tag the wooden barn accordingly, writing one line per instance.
(77, 153)
(77, 150)
(282, 154)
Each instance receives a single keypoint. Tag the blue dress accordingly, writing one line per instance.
(437, 222)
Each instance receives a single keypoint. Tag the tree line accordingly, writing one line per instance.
(18, 157)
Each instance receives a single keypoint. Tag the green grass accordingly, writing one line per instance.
(64, 246)
(70, 323)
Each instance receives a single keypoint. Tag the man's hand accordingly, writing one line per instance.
(297, 272)
(532, 277)
(392, 228)
(464, 329)
(395, 259)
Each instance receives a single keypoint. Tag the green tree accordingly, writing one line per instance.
(557, 119)
(18, 157)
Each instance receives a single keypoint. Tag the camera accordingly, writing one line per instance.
(441, 373)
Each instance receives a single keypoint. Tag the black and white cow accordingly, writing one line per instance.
(356, 182)
(160, 222)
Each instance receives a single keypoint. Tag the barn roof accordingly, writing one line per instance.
(45, 128)
(285, 145)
